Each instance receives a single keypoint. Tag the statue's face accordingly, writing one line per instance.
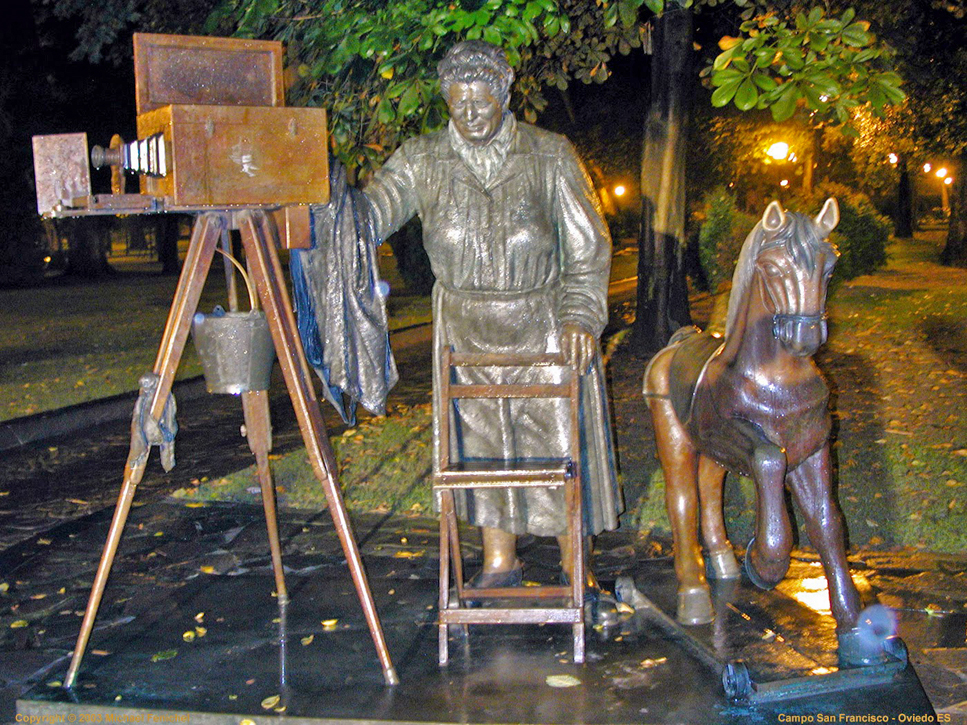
(475, 111)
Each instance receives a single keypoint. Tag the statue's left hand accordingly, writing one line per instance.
(578, 345)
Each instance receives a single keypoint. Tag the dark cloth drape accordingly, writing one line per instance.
(341, 302)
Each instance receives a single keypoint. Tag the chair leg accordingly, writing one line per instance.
(446, 505)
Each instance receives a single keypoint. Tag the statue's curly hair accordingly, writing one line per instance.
(476, 60)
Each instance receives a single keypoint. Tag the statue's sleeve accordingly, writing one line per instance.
(585, 245)
(392, 192)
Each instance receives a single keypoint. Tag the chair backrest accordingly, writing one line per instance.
(450, 391)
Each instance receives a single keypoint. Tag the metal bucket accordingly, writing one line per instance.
(236, 350)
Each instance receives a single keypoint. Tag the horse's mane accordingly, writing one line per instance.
(801, 238)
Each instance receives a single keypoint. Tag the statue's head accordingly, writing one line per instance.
(475, 80)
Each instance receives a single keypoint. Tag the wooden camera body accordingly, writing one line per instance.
(213, 133)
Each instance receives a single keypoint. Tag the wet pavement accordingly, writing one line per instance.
(189, 623)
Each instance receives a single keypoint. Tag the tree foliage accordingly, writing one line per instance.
(372, 64)
(829, 65)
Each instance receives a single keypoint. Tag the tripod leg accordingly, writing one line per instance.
(132, 477)
(200, 252)
(258, 237)
(258, 430)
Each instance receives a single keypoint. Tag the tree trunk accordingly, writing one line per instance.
(87, 244)
(166, 239)
(955, 252)
(662, 286)
(904, 202)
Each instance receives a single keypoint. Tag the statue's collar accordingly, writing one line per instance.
(486, 161)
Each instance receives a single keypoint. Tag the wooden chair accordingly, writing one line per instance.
(455, 595)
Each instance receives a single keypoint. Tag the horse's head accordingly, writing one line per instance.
(793, 266)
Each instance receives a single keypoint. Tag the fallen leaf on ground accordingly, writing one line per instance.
(269, 702)
(164, 655)
(562, 681)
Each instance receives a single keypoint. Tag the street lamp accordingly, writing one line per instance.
(779, 151)
(620, 190)
(941, 172)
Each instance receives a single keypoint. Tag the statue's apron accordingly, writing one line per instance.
(521, 322)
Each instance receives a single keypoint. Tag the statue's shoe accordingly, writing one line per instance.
(600, 606)
(513, 577)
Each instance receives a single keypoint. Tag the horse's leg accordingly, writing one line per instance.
(767, 556)
(721, 557)
(679, 462)
(810, 483)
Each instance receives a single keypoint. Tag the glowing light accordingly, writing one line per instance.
(812, 593)
(792, 157)
(949, 180)
(893, 158)
(779, 150)
(619, 190)
(941, 172)
(926, 168)
(784, 183)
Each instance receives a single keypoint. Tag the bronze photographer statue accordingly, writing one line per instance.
(521, 254)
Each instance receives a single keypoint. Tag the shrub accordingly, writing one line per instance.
(862, 233)
(722, 230)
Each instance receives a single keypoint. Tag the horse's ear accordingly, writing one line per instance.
(774, 218)
(829, 217)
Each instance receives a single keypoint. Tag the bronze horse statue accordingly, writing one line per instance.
(755, 403)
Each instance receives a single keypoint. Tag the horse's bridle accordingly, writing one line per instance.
(779, 321)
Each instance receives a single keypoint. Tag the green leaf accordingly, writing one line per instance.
(385, 114)
(785, 104)
(724, 94)
(656, 6)
(766, 83)
(848, 16)
(492, 36)
(410, 101)
(819, 43)
(728, 75)
(794, 59)
(746, 96)
(723, 59)
(826, 85)
(856, 35)
(531, 11)
(764, 57)
(627, 12)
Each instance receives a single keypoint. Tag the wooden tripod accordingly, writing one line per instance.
(259, 238)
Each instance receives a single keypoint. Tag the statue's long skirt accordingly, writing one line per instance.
(521, 322)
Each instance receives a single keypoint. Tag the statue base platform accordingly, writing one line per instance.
(189, 632)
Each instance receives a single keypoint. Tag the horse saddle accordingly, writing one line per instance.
(691, 357)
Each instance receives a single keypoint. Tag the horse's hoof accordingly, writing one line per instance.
(872, 641)
(695, 606)
(856, 650)
(753, 574)
(722, 564)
